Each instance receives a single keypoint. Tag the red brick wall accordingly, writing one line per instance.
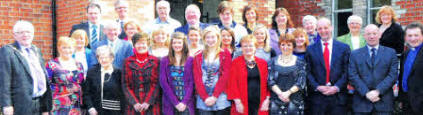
(36, 11)
(414, 11)
(300, 8)
(68, 13)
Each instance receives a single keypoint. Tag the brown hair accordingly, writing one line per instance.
(246, 9)
(386, 9)
(80, 33)
(301, 32)
(157, 32)
(231, 32)
(224, 5)
(132, 23)
(171, 55)
(278, 11)
(140, 37)
(288, 38)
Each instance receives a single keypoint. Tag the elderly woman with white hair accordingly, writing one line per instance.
(102, 89)
(354, 38)
(309, 24)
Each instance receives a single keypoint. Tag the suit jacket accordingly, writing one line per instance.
(347, 40)
(365, 77)
(91, 88)
(16, 84)
(393, 37)
(85, 26)
(123, 50)
(316, 70)
(415, 82)
(184, 29)
(122, 34)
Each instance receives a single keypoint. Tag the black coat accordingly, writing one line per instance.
(85, 26)
(415, 82)
(91, 88)
(393, 37)
(16, 84)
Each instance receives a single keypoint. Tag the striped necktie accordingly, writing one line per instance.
(94, 35)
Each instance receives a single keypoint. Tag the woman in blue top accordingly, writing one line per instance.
(83, 54)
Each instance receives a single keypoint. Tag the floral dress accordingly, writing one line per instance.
(65, 87)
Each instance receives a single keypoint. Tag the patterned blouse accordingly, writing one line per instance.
(65, 87)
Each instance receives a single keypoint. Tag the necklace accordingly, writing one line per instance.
(286, 59)
(251, 64)
(142, 60)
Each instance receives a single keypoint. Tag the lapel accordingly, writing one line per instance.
(334, 54)
(365, 53)
(418, 57)
(348, 39)
(378, 54)
(319, 52)
(21, 58)
(101, 37)
(86, 27)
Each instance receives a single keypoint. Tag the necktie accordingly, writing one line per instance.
(107, 77)
(36, 71)
(373, 50)
(326, 55)
(121, 24)
(94, 35)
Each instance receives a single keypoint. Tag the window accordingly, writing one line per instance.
(342, 9)
(372, 7)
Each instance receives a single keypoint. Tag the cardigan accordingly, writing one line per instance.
(238, 83)
(170, 100)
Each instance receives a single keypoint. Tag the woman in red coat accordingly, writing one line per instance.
(248, 81)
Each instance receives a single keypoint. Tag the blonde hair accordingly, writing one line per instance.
(386, 9)
(157, 32)
(132, 23)
(249, 39)
(267, 46)
(300, 31)
(65, 41)
(212, 30)
(79, 33)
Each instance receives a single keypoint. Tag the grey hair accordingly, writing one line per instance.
(309, 18)
(23, 24)
(164, 2)
(118, 2)
(352, 17)
(104, 49)
(193, 7)
(110, 24)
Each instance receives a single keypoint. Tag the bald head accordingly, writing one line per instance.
(324, 28)
(372, 35)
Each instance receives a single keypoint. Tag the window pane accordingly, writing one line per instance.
(372, 19)
(342, 23)
(344, 4)
(380, 3)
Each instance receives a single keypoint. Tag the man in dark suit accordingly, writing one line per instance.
(93, 27)
(411, 74)
(24, 84)
(121, 48)
(192, 15)
(327, 72)
(121, 8)
(373, 70)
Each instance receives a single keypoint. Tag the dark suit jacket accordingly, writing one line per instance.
(184, 29)
(393, 37)
(415, 82)
(85, 26)
(365, 77)
(316, 70)
(124, 50)
(16, 84)
(91, 88)
(122, 34)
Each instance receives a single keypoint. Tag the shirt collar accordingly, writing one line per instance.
(160, 21)
(417, 48)
(329, 42)
(91, 25)
(109, 71)
(370, 48)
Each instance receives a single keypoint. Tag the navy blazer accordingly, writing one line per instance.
(124, 50)
(365, 77)
(184, 29)
(16, 84)
(85, 26)
(316, 70)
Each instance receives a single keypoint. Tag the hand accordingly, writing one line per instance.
(331, 90)
(44, 113)
(284, 96)
(265, 105)
(373, 96)
(238, 106)
(210, 101)
(8, 110)
(92, 111)
(181, 107)
(144, 106)
(137, 107)
(322, 88)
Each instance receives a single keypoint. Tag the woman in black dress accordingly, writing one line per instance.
(287, 79)
(102, 91)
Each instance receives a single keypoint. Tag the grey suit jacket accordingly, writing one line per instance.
(365, 77)
(16, 83)
(124, 49)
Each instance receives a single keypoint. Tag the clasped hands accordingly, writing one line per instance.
(327, 90)
(141, 107)
(373, 96)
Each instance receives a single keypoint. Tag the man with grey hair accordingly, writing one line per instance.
(121, 48)
(309, 24)
(24, 85)
(373, 70)
(327, 69)
(163, 20)
(354, 38)
(192, 16)
(121, 8)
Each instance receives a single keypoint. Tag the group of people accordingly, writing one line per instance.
(118, 67)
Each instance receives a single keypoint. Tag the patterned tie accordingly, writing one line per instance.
(36, 71)
(326, 55)
(373, 50)
(121, 24)
(94, 35)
